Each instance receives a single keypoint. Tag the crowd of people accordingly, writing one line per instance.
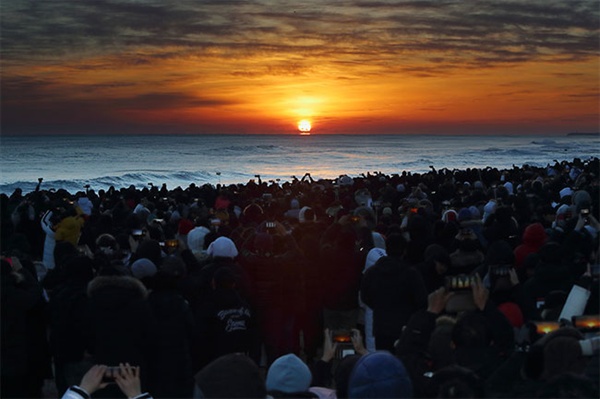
(450, 283)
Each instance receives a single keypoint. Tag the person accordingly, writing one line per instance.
(394, 290)
(341, 267)
(126, 377)
(321, 370)
(173, 335)
(274, 265)
(48, 224)
(119, 322)
(223, 322)
(372, 257)
(67, 307)
(21, 294)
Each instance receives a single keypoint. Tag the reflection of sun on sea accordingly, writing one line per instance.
(304, 127)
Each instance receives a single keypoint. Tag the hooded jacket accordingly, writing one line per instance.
(534, 237)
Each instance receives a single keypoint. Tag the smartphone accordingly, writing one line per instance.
(137, 233)
(347, 352)
(501, 270)
(109, 374)
(461, 282)
(545, 327)
(587, 323)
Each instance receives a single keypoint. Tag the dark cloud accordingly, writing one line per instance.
(486, 30)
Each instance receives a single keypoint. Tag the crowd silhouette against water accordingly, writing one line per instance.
(451, 283)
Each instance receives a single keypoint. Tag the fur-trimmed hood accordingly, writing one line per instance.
(116, 290)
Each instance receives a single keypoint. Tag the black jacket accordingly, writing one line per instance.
(394, 291)
(171, 372)
(119, 323)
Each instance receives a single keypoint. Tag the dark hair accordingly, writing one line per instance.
(395, 245)
(456, 382)
(471, 330)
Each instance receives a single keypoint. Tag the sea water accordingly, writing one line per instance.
(71, 162)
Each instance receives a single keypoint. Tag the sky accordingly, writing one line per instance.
(347, 66)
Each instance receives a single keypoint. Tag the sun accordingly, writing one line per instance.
(304, 126)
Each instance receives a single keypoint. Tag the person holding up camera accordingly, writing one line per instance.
(98, 377)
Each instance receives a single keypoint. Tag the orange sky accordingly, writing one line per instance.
(498, 67)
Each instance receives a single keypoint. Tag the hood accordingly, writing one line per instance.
(535, 235)
(379, 375)
(115, 291)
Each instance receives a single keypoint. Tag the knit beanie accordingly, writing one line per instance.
(142, 268)
(231, 376)
(195, 238)
(379, 375)
(288, 374)
(222, 247)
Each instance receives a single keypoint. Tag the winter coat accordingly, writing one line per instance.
(171, 372)
(68, 305)
(119, 322)
(50, 241)
(20, 296)
(341, 269)
(394, 291)
(223, 325)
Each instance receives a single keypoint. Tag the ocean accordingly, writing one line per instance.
(71, 162)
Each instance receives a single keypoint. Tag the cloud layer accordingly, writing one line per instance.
(118, 57)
